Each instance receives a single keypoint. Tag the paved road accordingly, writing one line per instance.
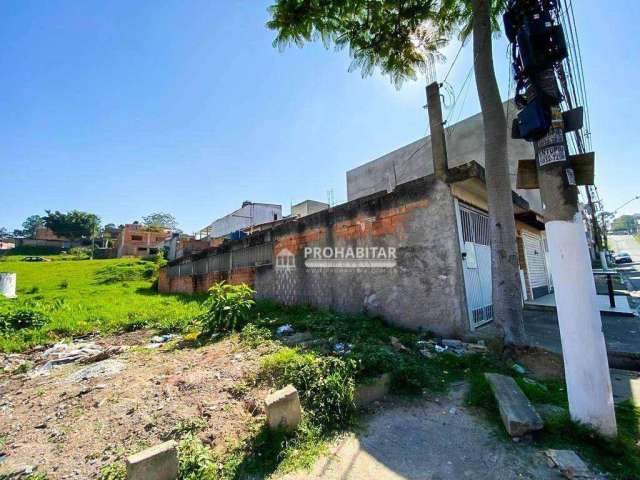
(631, 271)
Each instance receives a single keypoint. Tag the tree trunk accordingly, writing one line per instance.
(507, 299)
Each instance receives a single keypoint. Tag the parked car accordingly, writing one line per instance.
(35, 259)
(623, 257)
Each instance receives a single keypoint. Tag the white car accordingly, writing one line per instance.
(623, 257)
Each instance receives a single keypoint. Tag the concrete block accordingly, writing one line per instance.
(517, 413)
(159, 462)
(569, 464)
(367, 393)
(283, 409)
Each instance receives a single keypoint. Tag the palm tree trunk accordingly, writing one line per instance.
(507, 299)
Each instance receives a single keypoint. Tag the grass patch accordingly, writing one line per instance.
(76, 298)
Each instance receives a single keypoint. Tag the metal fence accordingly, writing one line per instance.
(242, 257)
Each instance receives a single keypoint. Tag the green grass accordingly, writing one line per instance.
(83, 296)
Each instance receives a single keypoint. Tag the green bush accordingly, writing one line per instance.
(80, 252)
(196, 461)
(114, 471)
(326, 385)
(18, 318)
(228, 308)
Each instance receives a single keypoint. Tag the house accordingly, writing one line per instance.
(136, 240)
(45, 237)
(308, 207)
(411, 244)
(6, 244)
(247, 216)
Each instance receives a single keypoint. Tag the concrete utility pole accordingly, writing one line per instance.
(583, 346)
(539, 50)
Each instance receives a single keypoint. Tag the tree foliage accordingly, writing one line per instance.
(74, 224)
(400, 37)
(624, 223)
(160, 220)
(394, 36)
(31, 224)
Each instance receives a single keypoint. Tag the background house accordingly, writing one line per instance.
(248, 215)
(136, 240)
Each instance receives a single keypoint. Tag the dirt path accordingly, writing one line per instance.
(70, 429)
(428, 440)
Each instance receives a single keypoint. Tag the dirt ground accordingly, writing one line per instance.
(70, 429)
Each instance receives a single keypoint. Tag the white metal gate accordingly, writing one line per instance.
(534, 255)
(473, 229)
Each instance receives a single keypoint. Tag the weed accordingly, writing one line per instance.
(253, 335)
(114, 471)
(33, 290)
(14, 318)
(196, 461)
(63, 284)
(227, 307)
(187, 426)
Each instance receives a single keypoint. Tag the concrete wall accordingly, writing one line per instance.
(465, 142)
(424, 290)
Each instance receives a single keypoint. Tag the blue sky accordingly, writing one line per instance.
(126, 108)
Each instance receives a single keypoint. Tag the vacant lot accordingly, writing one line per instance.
(74, 297)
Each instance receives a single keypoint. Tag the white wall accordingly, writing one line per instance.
(246, 216)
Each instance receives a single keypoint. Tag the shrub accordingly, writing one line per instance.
(228, 308)
(17, 318)
(196, 461)
(80, 252)
(114, 471)
(326, 384)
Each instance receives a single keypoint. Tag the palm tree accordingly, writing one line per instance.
(380, 33)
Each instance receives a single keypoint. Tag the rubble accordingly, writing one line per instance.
(65, 353)
(297, 338)
(100, 369)
(342, 348)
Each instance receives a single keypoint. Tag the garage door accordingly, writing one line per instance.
(536, 264)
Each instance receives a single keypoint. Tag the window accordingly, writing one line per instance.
(136, 237)
(142, 249)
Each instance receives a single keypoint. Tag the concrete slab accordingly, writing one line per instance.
(517, 413)
(159, 462)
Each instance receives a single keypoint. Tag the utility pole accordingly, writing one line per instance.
(538, 51)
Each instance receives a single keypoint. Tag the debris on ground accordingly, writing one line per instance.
(518, 414)
(100, 369)
(441, 349)
(283, 409)
(158, 340)
(518, 368)
(397, 345)
(342, 348)
(569, 463)
(455, 346)
(297, 338)
(283, 330)
(65, 353)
